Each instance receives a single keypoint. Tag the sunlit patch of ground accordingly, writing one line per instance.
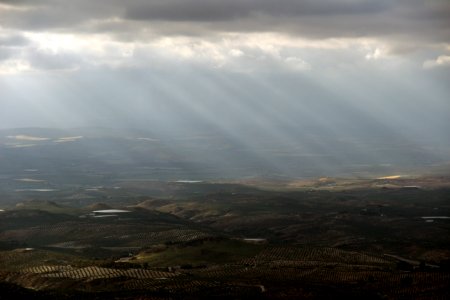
(20, 145)
(29, 180)
(68, 139)
(390, 177)
(407, 181)
(23, 137)
(35, 190)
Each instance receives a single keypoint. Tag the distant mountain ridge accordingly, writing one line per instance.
(204, 155)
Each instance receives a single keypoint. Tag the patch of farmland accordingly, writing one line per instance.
(306, 254)
(47, 269)
(98, 272)
(174, 235)
(18, 260)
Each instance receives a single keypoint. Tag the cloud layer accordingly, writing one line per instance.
(418, 19)
(52, 34)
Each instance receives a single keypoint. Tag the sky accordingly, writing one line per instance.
(282, 68)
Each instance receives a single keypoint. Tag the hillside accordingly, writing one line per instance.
(381, 238)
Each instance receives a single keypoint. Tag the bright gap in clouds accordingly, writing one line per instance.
(234, 52)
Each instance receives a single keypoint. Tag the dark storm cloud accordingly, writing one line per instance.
(410, 19)
(215, 10)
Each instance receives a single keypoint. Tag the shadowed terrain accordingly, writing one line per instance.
(385, 237)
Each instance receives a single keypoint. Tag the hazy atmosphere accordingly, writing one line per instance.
(255, 72)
